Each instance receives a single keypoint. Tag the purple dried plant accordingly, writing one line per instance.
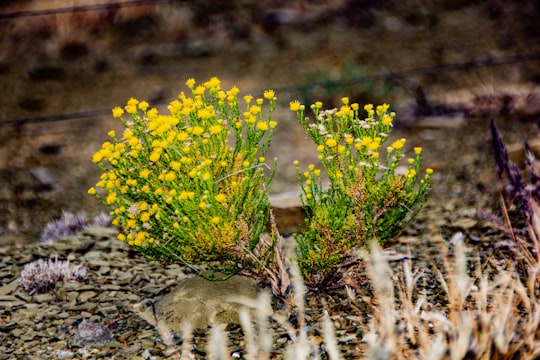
(42, 275)
(103, 220)
(68, 224)
(524, 192)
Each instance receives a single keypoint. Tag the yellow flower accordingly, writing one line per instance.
(202, 205)
(204, 114)
(369, 109)
(255, 109)
(214, 84)
(197, 130)
(152, 113)
(429, 171)
(294, 105)
(143, 105)
(262, 159)
(331, 142)
(215, 129)
(215, 220)
(182, 136)
(220, 198)
(318, 105)
(132, 101)
(131, 109)
(154, 156)
(269, 94)
(273, 124)
(170, 176)
(190, 83)
(199, 90)
(92, 191)
(175, 165)
(381, 109)
(320, 148)
(263, 126)
(121, 237)
(245, 163)
(144, 173)
(145, 216)
(345, 100)
(366, 140)
(410, 173)
(111, 198)
(398, 144)
(234, 91)
(417, 150)
(248, 99)
(386, 120)
(117, 112)
(295, 163)
(97, 157)
(139, 239)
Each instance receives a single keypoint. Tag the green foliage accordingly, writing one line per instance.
(365, 198)
(191, 186)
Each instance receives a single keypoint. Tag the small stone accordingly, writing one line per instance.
(44, 298)
(89, 333)
(202, 302)
(465, 223)
(9, 288)
(85, 295)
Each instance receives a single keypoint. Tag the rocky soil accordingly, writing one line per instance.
(45, 167)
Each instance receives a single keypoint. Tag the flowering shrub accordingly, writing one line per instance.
(190, 186)
(366, 197)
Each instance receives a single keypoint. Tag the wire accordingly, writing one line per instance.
(90, 7)
(387, 76)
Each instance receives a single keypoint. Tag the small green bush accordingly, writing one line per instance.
(190, 186)
(365, 198)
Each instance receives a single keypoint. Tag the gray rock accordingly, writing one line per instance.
(202, 302)
(92, 334)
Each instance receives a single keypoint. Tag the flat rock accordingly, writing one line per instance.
(202, 302)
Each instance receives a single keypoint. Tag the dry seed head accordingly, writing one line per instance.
(42, 275)
(68, 224)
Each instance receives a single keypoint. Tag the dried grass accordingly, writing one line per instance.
(487, 313)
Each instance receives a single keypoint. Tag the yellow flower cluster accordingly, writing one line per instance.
(175, 182)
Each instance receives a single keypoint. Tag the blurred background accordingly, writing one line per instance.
(443, 65)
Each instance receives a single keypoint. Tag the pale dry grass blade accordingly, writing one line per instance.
(381, 339)
(330, 338)
(217, 343)
(250, 337)
(187, 344)
(167, 335)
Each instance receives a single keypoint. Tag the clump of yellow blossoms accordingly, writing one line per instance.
(190, 186)
(368, 195)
